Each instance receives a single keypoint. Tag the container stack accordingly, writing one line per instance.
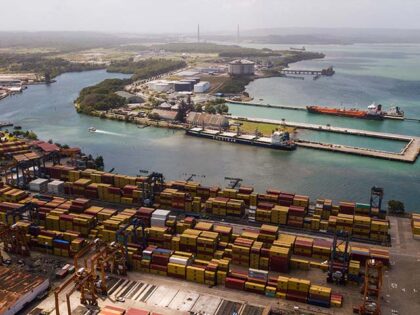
(286, 199)
(188, 240)
(39, 185)
(415, 225)
(279, 259)
(321, 248)
(303, 246)
(196, 273)
(379, 230)
(296, 215)
(282, 283)
(297, 290)
(56, 187)
(241, 251)
(263, 212)
(361, 226)
(279, 215)
(268, 234)
(354, 272)
(344, 222)
(257, 281)
(145, 214)
(207, 244)
(347, 208)
(255, 256)
(319, 296)
(362, 209)
(159, 218)
(177, 266)
(160, 260)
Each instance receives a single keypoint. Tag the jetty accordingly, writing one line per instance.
(408, 154)
(268, 105)
(303, 108)
(325, 72)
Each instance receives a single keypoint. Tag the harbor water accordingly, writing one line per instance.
(49, 111)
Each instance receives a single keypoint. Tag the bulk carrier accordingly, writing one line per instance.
(278, 140)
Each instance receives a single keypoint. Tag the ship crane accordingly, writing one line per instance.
(234, 182)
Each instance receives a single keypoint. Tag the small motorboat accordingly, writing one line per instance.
(92, 129)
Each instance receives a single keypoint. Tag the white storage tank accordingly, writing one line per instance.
(39, 185)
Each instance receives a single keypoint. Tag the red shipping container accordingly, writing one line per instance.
(136, 311)
(233, 283)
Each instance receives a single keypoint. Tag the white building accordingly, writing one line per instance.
(201, 87)
(241, 67)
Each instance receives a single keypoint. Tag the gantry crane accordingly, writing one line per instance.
(150, 187)
(339, 260)
(372, 288)
(111, 258)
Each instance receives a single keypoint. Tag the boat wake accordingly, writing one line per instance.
(110, 133)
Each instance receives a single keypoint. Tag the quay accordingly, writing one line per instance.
(408, 154)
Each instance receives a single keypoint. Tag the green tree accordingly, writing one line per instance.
(396, 207)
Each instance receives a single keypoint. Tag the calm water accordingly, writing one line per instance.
(48, 110)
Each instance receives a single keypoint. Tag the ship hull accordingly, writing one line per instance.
(283, 147)
(348, 114)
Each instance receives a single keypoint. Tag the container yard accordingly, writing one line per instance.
(150, 245)
(141, 244)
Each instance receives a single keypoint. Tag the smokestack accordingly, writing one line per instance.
(198, 33)
(237, 34)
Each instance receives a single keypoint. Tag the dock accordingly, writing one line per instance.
(5, 124)
(408, 154)
(292, 107)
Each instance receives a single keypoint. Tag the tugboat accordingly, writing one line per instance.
(92, 129)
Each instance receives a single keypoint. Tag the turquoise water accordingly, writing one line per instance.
(48, 110)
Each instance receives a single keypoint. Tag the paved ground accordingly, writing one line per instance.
(401, 287)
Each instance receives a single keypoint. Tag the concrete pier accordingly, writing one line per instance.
(408, 154)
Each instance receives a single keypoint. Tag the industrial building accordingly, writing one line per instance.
(208, 120)
(241, 67)
(165, 114)
(19, 288)
(202, 87)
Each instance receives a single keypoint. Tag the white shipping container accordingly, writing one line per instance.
(179, 260)
(160, 213)
(56, 187)
(158, 222)
(39, 185)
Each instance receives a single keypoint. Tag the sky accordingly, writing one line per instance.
(182, 16)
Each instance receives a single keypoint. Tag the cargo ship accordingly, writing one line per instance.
(278, 140)
(373, 112)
